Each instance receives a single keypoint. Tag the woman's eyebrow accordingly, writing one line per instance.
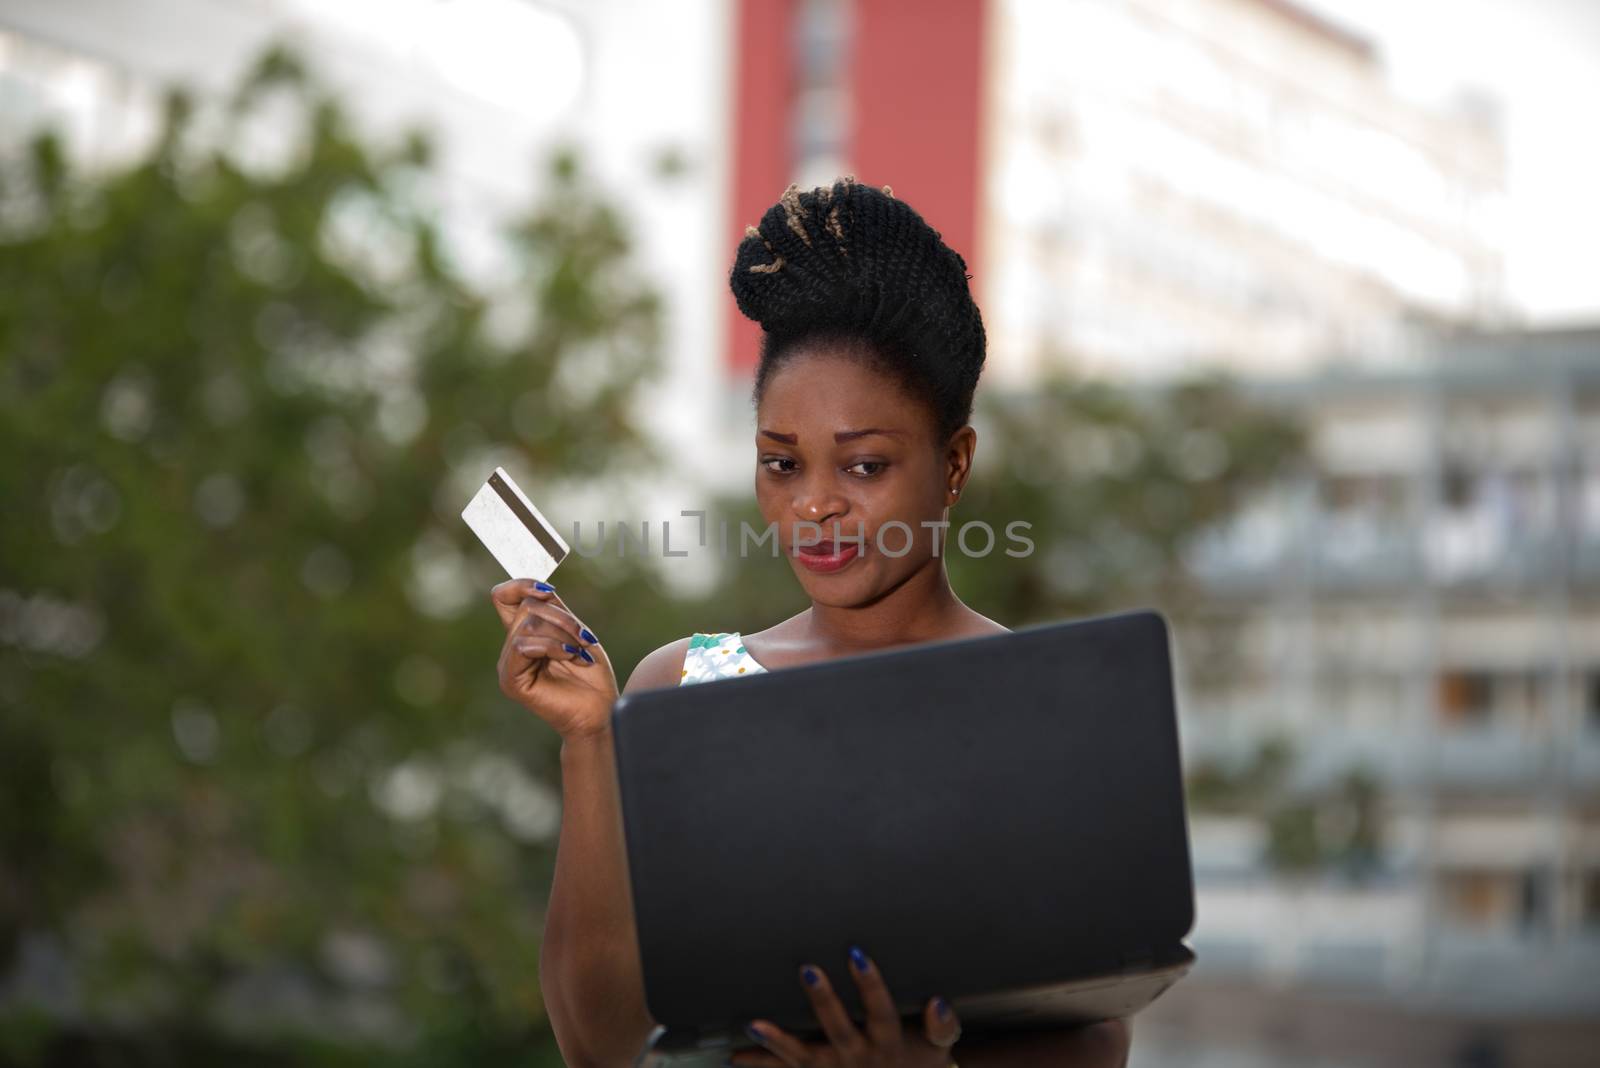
(851, 435)
(842, 435)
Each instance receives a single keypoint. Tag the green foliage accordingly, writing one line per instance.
(1243, 789)
(1335, 827)
(256, 777)
(1115, 485)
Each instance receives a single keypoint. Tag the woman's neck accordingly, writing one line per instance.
(922, 608)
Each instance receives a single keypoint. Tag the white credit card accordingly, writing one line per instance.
(511, 528)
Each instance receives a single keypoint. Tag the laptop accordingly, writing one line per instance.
(998, 820)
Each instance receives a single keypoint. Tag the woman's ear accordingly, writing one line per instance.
(958, 461)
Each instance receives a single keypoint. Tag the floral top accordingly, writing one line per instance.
(717, 656)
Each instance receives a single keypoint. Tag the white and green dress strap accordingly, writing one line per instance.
(717, 656)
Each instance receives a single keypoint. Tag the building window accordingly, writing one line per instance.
(1496, 902)
(821, 118)
(1465, 699)
(1483, 902)
(1534, 904)
(1589, 900)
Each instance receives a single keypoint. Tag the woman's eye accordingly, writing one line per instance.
(874, 467)
(776, 464)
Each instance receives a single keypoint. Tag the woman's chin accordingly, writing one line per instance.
(837, 589)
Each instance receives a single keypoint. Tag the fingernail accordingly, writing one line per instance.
(587, 659)
(569, 648)
(588, 635)
(545, 586)
(809, 974)
(859, 959)
(941, 1008)
(755, 1032)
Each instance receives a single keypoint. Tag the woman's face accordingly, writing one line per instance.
(846, 448)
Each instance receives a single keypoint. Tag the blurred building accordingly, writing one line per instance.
(1420, 607)
(1175, 185)
(1140, 187)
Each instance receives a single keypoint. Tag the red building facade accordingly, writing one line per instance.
(911, 78)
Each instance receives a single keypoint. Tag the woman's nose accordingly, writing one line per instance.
(820, 504)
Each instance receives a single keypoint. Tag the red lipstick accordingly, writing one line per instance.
(827, 556)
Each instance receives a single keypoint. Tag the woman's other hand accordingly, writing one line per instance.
(883, 1044)
(551, 663)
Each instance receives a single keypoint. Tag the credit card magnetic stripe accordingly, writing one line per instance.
(557, 551)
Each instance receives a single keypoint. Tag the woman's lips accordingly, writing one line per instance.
(827, 556)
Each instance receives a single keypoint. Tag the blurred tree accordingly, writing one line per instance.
(257, 782)
(1329, 827)
(1117, 484)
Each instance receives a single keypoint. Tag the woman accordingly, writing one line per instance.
(872, 347)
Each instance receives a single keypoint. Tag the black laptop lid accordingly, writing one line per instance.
(978, 815)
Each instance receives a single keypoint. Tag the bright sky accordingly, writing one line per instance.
(1541, 59)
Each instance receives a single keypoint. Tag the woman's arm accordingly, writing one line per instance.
(589, 963)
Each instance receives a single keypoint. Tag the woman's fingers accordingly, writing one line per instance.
(508, 596)
(836, 1023)
(529, 604)
(522, 659)
(939, 1023)
(545, 648)
(538, 618)
(883, 1019)
(550, 663)
(780, 1045)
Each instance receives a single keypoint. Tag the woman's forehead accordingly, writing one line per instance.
(830, 392)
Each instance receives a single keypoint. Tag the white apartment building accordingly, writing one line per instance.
(1181, 183)
(1421, 603)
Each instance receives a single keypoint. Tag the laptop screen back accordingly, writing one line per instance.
(977, 815)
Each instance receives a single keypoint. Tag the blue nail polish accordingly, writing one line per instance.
(942, 1008)
(809, 974)
(587, 659)
(750, 1029)
(545, 586)
(859, 959)
(588, 635)
(569, 648)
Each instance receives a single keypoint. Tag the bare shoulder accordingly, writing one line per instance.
(779, 642)
(979, 624)
(784, 631)
(664, 667)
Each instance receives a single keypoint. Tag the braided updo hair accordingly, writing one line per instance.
(852, 267)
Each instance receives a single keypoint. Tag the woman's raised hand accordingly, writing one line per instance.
(551, 663)
(882, 1043)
